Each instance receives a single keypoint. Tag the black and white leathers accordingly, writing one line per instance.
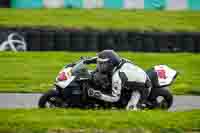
(134, 74)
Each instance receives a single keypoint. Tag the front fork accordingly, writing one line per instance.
(60, 96)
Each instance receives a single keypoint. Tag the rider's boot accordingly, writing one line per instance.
(134, 100)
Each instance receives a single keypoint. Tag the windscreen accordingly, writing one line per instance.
(80, 65)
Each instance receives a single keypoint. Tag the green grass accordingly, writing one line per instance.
(71, 121)
(36, 71)
(103, 19)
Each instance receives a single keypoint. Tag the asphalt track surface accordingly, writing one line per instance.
(17, 100)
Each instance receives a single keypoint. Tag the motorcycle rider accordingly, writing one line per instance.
(123, 73)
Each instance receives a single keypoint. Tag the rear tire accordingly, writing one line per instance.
(167, 99)
(49, 98)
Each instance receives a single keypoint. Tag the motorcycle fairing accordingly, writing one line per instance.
(65, 83)
(165, 74)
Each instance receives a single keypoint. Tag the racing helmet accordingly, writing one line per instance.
(107, 60)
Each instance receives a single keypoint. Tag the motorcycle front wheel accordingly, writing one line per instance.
(163, 99)
(50, 99)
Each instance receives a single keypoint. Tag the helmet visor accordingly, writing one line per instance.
(101, 60)
(103, 65)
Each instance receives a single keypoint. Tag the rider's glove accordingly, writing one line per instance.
(94, 93)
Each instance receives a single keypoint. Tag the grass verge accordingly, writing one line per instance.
(77, 121)
(36, 71)
(103, 19)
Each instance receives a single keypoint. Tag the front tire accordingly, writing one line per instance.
(162, 99)
(49, 100)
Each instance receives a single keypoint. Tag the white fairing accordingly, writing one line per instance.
(65, 83)
(165, 74)
(134, 73)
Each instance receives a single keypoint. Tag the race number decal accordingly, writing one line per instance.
(161, 73)
(165, 74)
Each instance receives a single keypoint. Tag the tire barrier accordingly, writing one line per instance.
(91, 41)
(135, 41)
(162, 44)
(49, 39)
(149, 42)
(3, 35)
(168, 42)
(107, 40)
(172, 43)
(122, 41)
(196, 42)
(33, 40)
(46, 40)
(4, 3)
(77, 42)
(62, 40)
(188, 43)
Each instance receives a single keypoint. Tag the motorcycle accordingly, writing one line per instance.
(73, 81)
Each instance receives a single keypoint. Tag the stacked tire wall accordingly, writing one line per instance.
(52, 39)
(4, 3)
